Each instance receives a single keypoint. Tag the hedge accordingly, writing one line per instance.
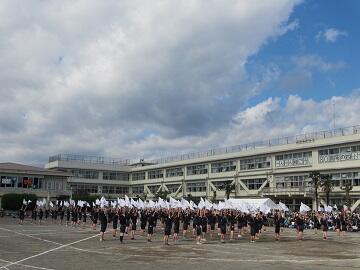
(14, 201)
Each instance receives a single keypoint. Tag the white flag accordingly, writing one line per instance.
(304, 208)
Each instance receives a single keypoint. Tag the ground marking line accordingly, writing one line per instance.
(29, 266)
(37, 238)
(48, 251)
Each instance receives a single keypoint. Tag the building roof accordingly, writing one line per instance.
(10, 167)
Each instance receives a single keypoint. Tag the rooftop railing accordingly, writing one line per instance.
(297, 139)
(89, 159)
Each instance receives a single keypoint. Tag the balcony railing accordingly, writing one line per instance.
(297, 139)
(89, 159)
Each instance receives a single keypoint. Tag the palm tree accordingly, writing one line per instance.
(327, 185)
(228, 189)
(214, 196)
(162, 194)
(347, 187)
(315, 182)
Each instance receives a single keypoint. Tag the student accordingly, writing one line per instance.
(204, 224)
(198, 226)
(300, 222)
(33, 215)
(176, 220)
(115, 220)
(122, 222)
(22, 214)
(151, 224)
(232, 221)
(222, 225)
(277, 222)
(41, 214)
(253, 228)
(168, 222)
(61, 213)
(143, 221)
(212, 222)
(68, 213)
(325, 227)
(103, 222)
(133, 217)
(186, 221)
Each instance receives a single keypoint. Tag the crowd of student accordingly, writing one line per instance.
(203, 224)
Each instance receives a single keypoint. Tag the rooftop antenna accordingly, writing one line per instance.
(334, 114)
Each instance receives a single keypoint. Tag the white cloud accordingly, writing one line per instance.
(331, 34)
(100, 77)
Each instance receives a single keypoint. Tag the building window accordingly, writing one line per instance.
(196, 187)
(87, 174)
(137, 189)
(115, 190)
(138, 176)
(154, 189)
(173, 187)
(253, 184)
(108, 175)
(197, 169)
(339, 154)
(173, 172)
(9, 181)
(84, 189)
(220, 184)
(293, 181)
(293, 159)
(226, 166)
(155, 174)
(255, 163)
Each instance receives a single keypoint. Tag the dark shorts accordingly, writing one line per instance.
(133, 227)
(277, 229)
(223, 230)
(167, 231)
(103, 227)
(212, 227)
(122, 228)
(301, 228)
(143, 225)
(253, 231)
(198, 230)
(150, 229)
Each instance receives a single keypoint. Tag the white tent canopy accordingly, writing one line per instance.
(263, 204)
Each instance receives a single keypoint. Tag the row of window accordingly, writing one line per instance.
(293, 159)
(337, 154)
(95, 189)
(115, 190)
(254, 184)
(108, 175)
(255, 163)
(29, 182)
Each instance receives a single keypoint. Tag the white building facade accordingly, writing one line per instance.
(278, 169)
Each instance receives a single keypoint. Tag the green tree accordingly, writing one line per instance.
(315, 182)
(347, 187)
(14, 201)
(228, 187)
(327, 186)
(214, 196)
(162, 194)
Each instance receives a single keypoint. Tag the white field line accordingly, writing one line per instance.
(47, 251)
(29, 266)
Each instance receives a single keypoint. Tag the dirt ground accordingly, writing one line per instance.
(53, 246)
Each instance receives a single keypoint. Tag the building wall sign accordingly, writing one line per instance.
(339, 157)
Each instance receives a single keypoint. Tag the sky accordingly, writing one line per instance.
(146, 79)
